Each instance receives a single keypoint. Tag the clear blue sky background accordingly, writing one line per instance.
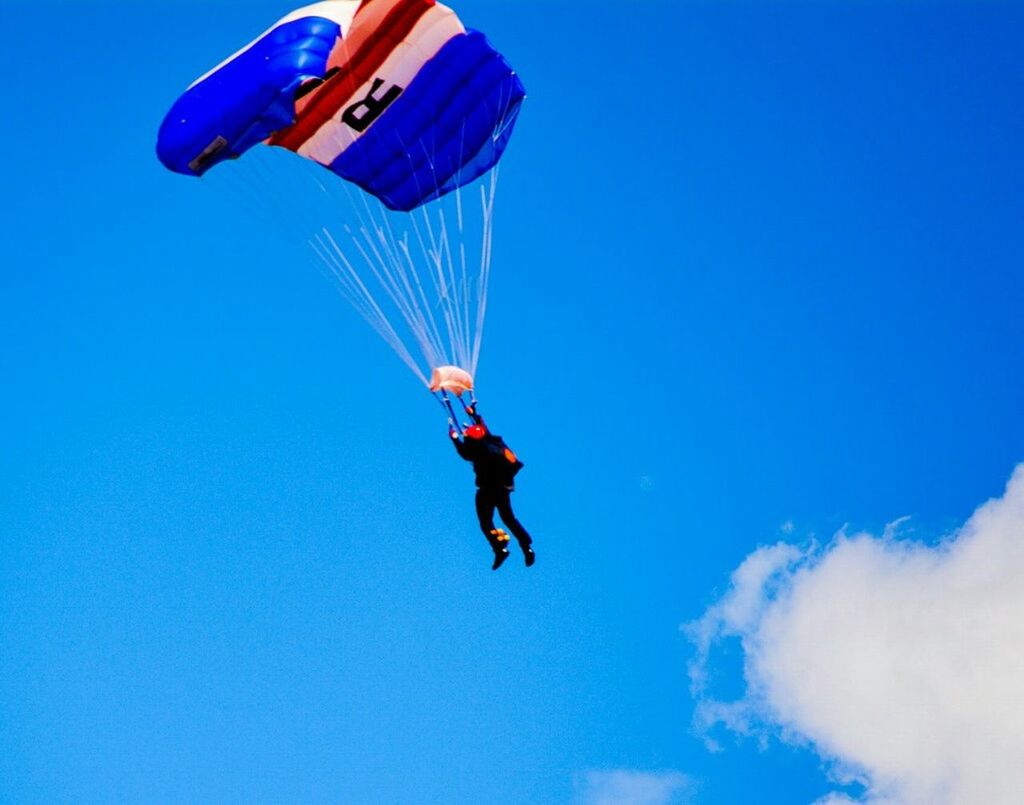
(755, 262)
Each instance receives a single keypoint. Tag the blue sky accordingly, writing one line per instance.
(755, 263)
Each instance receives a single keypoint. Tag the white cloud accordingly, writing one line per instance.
(900, 663)
(627, 787)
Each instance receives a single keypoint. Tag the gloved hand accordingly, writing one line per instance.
(453, 433)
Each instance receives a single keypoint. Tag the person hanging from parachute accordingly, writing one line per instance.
(400, 99)
(494, 464)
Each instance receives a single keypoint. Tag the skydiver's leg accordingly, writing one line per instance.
(498, 539)
(503, 502)
(485, 512)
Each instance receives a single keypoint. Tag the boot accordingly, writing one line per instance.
(529, 556)
(499, 558)
(499, 542)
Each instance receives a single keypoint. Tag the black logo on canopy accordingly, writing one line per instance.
(361, 114)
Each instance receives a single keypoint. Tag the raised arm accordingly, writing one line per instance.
(460, 444)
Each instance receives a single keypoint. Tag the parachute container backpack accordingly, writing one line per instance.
(403, 114)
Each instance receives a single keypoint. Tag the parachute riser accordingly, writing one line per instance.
(445, 401)
(471, 408)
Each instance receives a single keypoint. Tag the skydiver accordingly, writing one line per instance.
(495, 466)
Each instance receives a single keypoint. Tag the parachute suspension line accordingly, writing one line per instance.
(464, 276)
(454, 299)
(346, 286)
(378, 319)
(487, 193)
(384, 270)
(349, 285)
(383, 254)
(471, 408)
(427, 333)
(286, 206)
(234, 191)
(439, 289)
(374, 246)
(381, 264)
(487, 196)
(422, 322)
(407, 269)
(405, 303)
(350, 292)
(270, 183)
(352, 287)
(446, 403)
(458, 301)
(438, 255)
(434, 257)
(385, 328)
(278, 193)
(255, 192)
(442, 352)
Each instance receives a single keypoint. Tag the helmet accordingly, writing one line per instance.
(476, 431)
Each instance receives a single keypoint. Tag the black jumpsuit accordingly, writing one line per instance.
(495, 467)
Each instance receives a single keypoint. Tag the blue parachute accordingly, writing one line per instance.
(393, 95)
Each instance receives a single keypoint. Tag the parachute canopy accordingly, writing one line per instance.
(393, 95)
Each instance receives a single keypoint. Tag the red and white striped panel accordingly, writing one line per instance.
(389, 40)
